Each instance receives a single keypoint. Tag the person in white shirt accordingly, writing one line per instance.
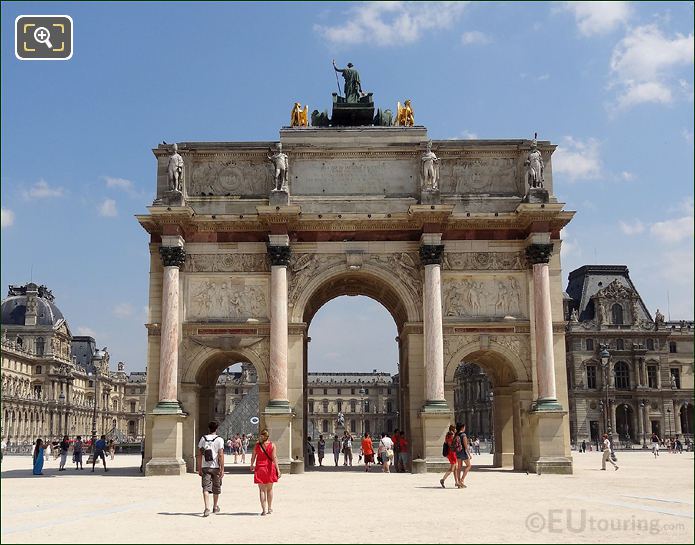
(386, 452)
(211, 466)
(607, 454)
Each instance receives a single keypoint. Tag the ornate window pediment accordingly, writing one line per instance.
(616, 290)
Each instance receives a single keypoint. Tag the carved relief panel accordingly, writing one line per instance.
(236, 176)
(220, 298)
(484, 297)
(480, 175)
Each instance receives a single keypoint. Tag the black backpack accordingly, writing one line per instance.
(445, 449)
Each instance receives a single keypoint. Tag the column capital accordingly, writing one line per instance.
(431, 254)
(539, 253)
(279, 255)
(172, 256)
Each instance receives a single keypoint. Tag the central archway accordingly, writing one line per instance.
(389, 291)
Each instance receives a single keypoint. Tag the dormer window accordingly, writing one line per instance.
(617, 314)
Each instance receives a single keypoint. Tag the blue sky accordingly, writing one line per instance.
(611, 83)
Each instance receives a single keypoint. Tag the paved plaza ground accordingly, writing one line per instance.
(647, 500)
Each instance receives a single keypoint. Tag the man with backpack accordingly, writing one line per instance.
(211, 467)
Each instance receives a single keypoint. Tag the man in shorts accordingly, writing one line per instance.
(98, 452)
(211, 467)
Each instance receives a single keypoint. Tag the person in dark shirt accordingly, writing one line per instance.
(64, 448)
(99, 448)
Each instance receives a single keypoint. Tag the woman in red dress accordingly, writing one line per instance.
(451, 457)
(264, 465)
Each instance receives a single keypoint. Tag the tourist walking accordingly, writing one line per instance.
(77, 453)
(655, 444)
(607, 454)
(98, 452)
(236, 448)
(310, 460)
(347, 448)
(211, 467)
(322, 449)
(47, 450)
(64, 448)
(112, 448)
(403, 446)
(244, 447)
(264, 465)
(395, 437)
(142, 454)
(583, 446)
(337, 447)
(476, 446)
(449, 453)
(229, 446)
(367, 450)
(463, 455)
(385, 452)
(38, 458)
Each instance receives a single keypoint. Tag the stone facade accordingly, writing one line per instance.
(368, 401)
(473, 400)
(47, 390)
(648, 385)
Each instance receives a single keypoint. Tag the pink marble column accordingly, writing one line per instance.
(431, 258)
(539, 255)
(279, 259)
(173, 257)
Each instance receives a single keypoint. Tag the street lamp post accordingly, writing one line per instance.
(95, 376)
(491, 399)
(362, 392)
(668, 412)
(605, 356)
(642, 405)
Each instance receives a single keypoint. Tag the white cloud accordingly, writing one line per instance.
(598, 17)
(86, 331)
(687, 134)
(578, 159)
(673, 230)
(631, 228)
(642, 93)
(124, 310)
(41, 190)
(475, 37)
(108, 209)
(627, 176)
(643, 62)
(468, 135)
(569, 247)
(119, 183)
(391, 23)
(7, 217)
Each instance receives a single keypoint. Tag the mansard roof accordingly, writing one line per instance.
(610, 281)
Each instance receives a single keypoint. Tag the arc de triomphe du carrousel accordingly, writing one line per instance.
(458, 239)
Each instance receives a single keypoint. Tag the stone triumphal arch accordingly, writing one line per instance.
(458, 239)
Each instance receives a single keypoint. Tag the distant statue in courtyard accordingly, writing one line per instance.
(574, 316)
(340, 421)
(175, 171)
(299, 117)
(534, 165)
(430, 169)
(280, 162)
(405, 117)
(353, 86)
(658, 319)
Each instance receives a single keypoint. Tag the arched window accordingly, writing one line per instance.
(650, 344)
(132, 406)
(40, 345)
(131, 427)
(38, 369)
(366, 405)
(672, 347)
(324, 426)
(619, 344)
(617, 313)
(622, 376)
(311, 406)
(325, 406)
(389, 407)
(353, 406)
(590, 345)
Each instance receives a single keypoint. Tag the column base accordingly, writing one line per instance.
(278, 405)
(168, 407)
(167, 444)
(435, 423)
(549, 453)
(549, 404)
(278, 421)
(436, 406)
